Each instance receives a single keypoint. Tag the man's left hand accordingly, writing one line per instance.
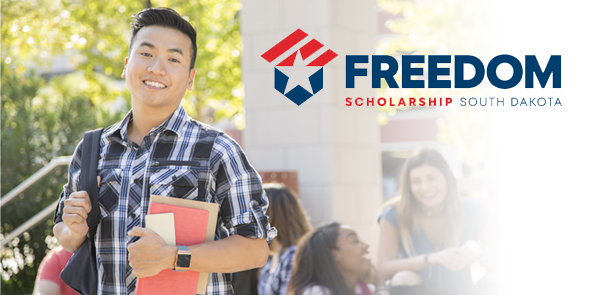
(149, 255)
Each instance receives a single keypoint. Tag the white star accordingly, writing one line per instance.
(298, 74)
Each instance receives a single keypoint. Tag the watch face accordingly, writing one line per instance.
(183, 261)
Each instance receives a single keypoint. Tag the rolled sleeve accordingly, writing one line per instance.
(72, 185)
(239, 191)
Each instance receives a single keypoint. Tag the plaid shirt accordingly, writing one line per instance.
(181, 158)
(274, 281)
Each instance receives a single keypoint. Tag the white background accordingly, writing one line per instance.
(544, 165)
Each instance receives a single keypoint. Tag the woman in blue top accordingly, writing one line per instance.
(428, 236)
(287, 216)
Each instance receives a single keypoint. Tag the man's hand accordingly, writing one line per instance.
(149, 255)
(76, 210)
(71, 233)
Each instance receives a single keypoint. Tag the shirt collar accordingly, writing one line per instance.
(120, 127)
(173, 123)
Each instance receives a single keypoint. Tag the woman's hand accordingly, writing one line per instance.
(453, 259)
(471, 252)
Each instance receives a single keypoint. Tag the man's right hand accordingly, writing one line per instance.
(76, 210)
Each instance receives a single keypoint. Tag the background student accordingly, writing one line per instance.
(428, 236)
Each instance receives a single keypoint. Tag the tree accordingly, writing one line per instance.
(45, 113)
(95, 35)
(40, 121)
(444, 27)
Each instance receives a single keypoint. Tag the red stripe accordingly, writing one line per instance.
(288, 62)
(323, 59)
(310, 48)
(284, 45)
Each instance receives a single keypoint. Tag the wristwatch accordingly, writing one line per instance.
(183, 259)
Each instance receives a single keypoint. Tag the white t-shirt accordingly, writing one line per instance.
(316, 290)
(320, 290)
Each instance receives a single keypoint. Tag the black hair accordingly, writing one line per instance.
(164, 17)
(314, 263)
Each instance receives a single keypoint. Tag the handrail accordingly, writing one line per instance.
(30, 223)
(59, 161)
(55, 162)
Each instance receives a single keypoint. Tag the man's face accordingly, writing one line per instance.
(157, 69)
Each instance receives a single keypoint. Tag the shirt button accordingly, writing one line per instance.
(132, 215)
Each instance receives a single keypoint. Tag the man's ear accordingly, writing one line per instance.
(125, 67)
(191, 79)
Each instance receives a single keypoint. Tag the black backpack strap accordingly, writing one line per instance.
(88, 181)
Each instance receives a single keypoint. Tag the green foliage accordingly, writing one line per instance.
(40, 121)
(435, 26)
(95, 35)
(218, 89)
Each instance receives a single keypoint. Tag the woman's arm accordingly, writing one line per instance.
(388, 261)
(46, 287)
(389, 264)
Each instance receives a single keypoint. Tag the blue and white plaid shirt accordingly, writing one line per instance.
(275, 280)
(181, 158)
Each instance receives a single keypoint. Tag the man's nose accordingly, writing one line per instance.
(157, 67)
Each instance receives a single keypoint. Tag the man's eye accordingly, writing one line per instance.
(174, 60)
(145, 54)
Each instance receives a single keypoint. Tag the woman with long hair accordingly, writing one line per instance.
(331, 260)
(287, 216)
(428, 236)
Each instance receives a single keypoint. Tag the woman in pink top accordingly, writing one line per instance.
(48, 280)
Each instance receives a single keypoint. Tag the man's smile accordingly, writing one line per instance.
(154, 84)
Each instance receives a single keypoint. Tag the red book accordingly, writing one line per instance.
(192, 226)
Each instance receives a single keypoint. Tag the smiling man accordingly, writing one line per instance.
(158, 149)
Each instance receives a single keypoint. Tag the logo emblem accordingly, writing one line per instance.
(306, 53)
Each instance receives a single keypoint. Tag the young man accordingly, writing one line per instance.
(157, 149)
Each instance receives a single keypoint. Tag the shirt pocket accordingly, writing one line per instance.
(109, 190)
(180, 182)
